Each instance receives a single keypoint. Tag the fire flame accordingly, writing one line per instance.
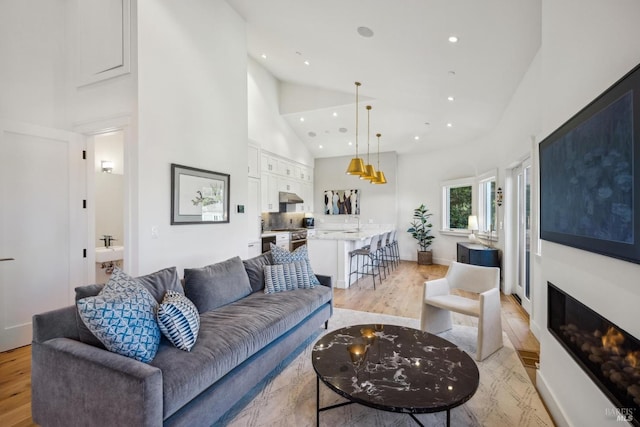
(612, 340)
(632, 358)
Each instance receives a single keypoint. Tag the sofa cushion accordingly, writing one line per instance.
(283, 256)
(228, 336)
(255, 270)
(157, 283)
(123, 317)
(179, 320)
(286, 277)
(216, 285)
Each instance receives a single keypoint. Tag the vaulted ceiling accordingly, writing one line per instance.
(426, 92)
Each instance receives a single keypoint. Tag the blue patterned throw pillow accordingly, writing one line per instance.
(179, 320)
(283, 256)
(123, 317)
(286, 277)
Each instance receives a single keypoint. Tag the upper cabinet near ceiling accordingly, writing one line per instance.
(269, 163)
(104, 39)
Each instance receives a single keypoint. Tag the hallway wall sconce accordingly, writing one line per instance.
(107, 166)
(499, 196)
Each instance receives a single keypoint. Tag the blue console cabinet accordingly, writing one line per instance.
(476, 254)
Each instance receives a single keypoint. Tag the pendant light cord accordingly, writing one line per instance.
(357, 86)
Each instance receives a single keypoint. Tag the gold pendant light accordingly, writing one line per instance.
(380, 178)
(356, 166)
(370, 172)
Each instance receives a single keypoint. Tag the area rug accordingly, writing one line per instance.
(287, 397)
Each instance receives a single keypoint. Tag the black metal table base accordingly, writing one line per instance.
(338, 405)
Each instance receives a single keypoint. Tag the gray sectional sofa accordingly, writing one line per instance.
(76, 383)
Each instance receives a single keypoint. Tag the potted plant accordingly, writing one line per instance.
(421, 231)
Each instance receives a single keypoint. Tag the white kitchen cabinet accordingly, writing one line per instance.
(268, 163)
(254, 161)
(288, 185)
(286, 168)
(307, 196)
(269, 193)
(282, 240)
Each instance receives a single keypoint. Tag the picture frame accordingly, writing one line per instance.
(199, 196)
(342, 202)
(590, 175)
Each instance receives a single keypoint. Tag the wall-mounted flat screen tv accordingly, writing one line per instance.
(590, 175)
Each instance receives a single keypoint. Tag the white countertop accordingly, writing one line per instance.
(344, 234)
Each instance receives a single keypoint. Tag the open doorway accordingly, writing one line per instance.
(108, 197)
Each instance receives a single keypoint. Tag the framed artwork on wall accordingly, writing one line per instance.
(590, 175)
(198, 196)
(342, 202)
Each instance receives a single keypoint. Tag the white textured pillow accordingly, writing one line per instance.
(179, 320)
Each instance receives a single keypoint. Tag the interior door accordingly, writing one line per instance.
(523, 191)
(42, 225)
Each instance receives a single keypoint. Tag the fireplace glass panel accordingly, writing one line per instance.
(607, 353)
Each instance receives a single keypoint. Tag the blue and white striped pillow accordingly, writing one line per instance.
(283, 256)
(179, 320)
(286, 277)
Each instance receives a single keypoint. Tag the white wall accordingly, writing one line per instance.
(587, 46)
(378, 203)
(267, 128)
(34, 62)
(192, 110)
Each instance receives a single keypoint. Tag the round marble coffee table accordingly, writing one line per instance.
(394, 368)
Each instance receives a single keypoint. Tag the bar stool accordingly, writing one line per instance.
(392, 247)
(369, 256)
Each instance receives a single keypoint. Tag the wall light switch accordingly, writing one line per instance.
(154, 232)
(240, 208)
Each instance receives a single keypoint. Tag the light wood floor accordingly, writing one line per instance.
(399, 295)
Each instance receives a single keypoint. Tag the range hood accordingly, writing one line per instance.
(290, 198)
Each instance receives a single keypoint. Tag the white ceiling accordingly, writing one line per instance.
(405, 68)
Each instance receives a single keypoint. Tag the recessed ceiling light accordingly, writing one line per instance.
(416, 137)
(320, 146)
(302, 119)
(342, 130)
(449, 125)
(450, 98)
(350, 143)
(453, 39)
(335, 114)
(306, 62)
(264, 56)
(365, 32)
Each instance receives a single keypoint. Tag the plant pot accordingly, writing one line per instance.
(425, 257)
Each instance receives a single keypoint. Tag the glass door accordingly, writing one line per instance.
(522, 179)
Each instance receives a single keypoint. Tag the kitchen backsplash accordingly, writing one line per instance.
(271, 221)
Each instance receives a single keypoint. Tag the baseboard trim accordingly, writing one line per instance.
(558, 415)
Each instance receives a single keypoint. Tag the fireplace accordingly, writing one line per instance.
(608, 354)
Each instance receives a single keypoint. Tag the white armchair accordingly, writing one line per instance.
(438, 303)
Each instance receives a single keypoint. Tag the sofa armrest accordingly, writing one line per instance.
(75, 383)
(324, 280)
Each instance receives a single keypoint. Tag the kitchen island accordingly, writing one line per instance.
(329, 252)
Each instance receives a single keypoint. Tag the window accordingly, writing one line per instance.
(487, 203)
(457, 202)
(460, 199)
